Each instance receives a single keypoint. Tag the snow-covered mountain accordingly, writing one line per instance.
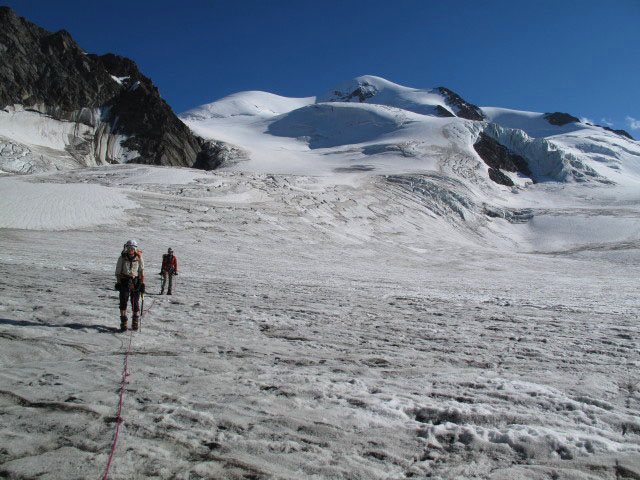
(62, 108)
(369, 89)
(378, 282)
(467, 162)
(390, 129)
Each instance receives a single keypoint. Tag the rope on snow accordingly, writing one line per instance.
(125, 374)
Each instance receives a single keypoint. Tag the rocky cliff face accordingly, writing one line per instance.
(560, 118)
(543, 160)
(498, 158)
(461, 107)
(364, 91)
(216, 154)
(118, 110)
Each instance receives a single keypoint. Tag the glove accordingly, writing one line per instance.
(117, 286)
(141, 289)
(175, 273)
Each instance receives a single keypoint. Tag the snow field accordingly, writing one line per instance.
(25, 204)
(319, 330)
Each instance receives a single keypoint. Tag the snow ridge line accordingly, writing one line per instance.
(125, 374)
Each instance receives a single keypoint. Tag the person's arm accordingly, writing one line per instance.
(141, 273)
(175, 265)
(119, 269)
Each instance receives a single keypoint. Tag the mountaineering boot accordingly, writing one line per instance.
(168, 292)
(123, 323)
(134, 323)
(162, 292)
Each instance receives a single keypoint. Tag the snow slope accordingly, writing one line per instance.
(612, 156)
(251, 104)
(356, 300)
(25, 204)
(320, 329)
(369, 121)
(377, 90)
(33, 142)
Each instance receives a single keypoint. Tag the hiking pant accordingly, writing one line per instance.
(166, 274)
(129, 290)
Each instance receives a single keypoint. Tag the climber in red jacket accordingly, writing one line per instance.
(169, 269)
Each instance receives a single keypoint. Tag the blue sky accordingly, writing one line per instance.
(575, 56)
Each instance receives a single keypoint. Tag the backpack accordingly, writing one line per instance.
(138, 253)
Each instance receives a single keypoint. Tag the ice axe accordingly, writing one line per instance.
(141, 313)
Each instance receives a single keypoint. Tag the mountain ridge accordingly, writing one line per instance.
(47, 77)
(64, 108)
(369, 118)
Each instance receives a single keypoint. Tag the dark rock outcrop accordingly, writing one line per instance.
(559, 118)
(42, 68)
(498, 158)
(215, 154)
(364, 91)
(499, 177)
(443, 112)
(49, 73)
(462, 108)
(622, 133)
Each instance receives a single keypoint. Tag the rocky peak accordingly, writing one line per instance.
(559, 118)
(58, 43)
(622, 133)
(50, 73)
(42, 68)
(462, 108)
(364, 91)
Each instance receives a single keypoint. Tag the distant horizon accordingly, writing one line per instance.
(578, 57)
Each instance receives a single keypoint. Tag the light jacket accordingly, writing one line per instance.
(127, 267)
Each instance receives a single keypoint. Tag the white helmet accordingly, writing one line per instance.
(131, 243)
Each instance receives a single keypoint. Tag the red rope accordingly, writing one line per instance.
(125, 374)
